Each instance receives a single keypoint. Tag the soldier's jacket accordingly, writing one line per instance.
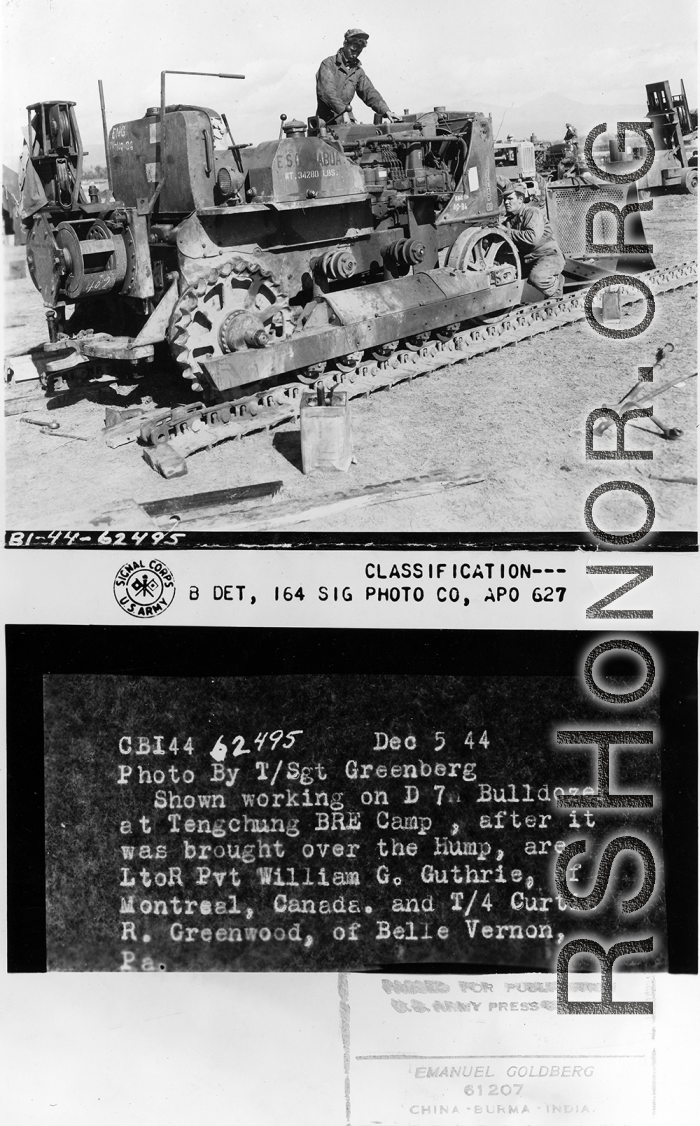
(532, 233)
(337, 82)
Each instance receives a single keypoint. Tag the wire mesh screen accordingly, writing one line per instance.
(567, 213)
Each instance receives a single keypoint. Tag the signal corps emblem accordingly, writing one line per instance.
(144, 590)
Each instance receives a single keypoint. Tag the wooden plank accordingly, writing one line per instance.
(206, 507)
(217, 499)
(297, 512)
(215, 511)
(672, 480)
(20, 404)
(124, 516)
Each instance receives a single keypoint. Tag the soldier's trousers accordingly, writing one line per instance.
(545, 273)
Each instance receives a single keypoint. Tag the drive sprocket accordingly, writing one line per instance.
(239, 304)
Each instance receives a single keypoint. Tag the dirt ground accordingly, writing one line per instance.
(517, 414)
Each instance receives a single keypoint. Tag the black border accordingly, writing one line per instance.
(33, 651)
(349, 541)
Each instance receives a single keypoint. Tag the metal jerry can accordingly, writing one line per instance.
(326, 434)
(612, 304)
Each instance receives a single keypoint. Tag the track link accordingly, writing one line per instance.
(186, 430)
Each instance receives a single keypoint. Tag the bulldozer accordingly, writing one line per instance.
(255, 263)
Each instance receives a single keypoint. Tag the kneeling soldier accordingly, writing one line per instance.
(531, 232)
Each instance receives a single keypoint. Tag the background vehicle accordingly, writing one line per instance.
(675, 133)
(515, 160)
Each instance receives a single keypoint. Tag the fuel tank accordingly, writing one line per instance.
(298, 168)
(199, 171)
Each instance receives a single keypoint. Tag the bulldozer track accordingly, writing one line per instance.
(187, 430)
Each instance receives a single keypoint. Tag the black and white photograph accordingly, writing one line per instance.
(349, 269)
(350, 572)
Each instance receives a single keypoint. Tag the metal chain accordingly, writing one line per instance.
(192, 428)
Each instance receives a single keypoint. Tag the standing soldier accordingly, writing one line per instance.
(340, 77)
(529, 228)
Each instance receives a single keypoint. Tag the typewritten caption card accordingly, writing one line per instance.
(321, 822)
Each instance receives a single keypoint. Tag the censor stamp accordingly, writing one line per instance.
(465, 1049)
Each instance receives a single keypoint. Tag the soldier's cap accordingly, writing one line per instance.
(514, 189)
(356, 33)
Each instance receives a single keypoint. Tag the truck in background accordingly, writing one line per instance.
(675, 133)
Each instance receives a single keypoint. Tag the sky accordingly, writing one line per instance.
(436, 52)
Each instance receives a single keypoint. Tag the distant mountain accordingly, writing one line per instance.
(547, 116)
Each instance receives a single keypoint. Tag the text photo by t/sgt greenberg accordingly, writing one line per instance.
(435, 280)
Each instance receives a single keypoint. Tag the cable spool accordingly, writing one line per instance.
(94, 258)
(64, 186)
(59, 127)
